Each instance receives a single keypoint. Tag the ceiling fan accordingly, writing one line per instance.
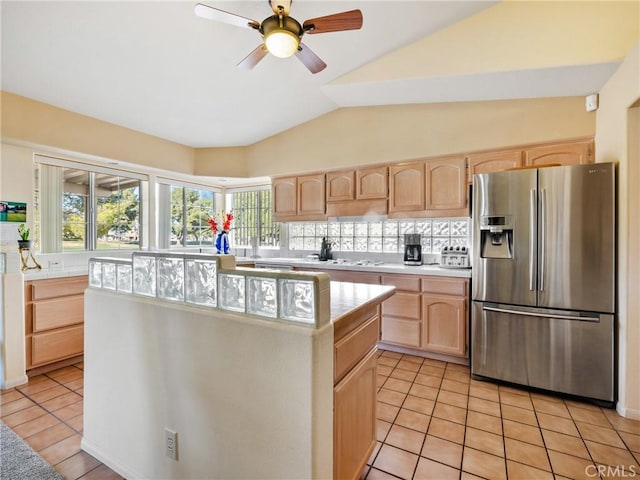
(282, 34)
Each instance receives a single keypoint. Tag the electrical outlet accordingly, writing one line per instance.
(171, 444)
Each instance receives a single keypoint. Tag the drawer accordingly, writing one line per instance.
(401, 331)
(349, 350)
(49, 347)
(57, 312)
(408, 283)
(402, 304)
(58, 287)
(445, 286)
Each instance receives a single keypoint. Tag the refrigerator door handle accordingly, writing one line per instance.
(540, 314)
(543, 235)
(532, 238)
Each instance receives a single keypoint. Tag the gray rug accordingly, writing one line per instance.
(18, 461)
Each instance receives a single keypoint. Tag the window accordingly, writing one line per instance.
(190, 209)
(253, 219)
(80, 209)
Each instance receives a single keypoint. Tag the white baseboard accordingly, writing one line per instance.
(14, 382)
(115, 466)
(625, 412)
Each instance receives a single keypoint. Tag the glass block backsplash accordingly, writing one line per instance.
(381, 236)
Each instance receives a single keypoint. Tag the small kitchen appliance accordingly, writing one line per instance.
(412, 249)
(455, 257)
(325, 250)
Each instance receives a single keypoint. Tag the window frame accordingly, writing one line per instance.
(164, 186)
(259, 228)
(91, 240)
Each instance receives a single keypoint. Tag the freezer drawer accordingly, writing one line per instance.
(566, 352)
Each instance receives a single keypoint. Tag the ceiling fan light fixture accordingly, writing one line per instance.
(281, 43)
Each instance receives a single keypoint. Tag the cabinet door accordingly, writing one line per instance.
(340, 186)
(446, 189)
(283, 194)
(400, 331)
(372, 183)
(569, 153)
(354, 419)
(406, 187)
(402, 304)
(311, 190)
(57, 312)
(444, 324)
(57, 345)
(491, 162)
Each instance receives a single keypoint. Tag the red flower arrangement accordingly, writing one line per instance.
(227, 218)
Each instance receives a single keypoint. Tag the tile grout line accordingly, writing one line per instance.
(51, 412)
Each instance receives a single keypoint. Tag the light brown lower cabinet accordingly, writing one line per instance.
(444, 321)
(54, 320)
(354, 419)
(427, 313)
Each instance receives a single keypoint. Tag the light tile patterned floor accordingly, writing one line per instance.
(47, 414)
(435, 422)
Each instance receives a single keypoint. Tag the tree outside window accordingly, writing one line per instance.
(190, 209)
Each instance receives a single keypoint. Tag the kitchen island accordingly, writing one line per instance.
(248, 397)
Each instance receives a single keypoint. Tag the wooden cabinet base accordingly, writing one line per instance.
(54, 321)
(354, 424)
(421, 353)
(50, 367)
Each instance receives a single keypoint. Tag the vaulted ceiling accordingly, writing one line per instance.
(157, 68)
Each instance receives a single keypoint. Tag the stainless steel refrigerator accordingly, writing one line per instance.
(543, 279)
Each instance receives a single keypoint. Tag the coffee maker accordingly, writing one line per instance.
(412, 249)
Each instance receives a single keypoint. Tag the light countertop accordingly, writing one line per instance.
(371, 267)
(347, 297)
(292, 262)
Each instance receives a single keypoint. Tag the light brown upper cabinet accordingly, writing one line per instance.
(357, 192)
(299, 198)
(446, 187)
(372, 183)
(284, 197)
(566, 153)
(406, 187)
(491, 162)
(340, 186)
(311, 201)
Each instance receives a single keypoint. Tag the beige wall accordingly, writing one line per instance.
(366, 135)
(617, 140)
(30, 121)
(228, 162)
(344, 137)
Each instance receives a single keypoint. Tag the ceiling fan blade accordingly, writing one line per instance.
(254, 57)
(218, 15)
(310, 59)
(351, 20)
(280, 7)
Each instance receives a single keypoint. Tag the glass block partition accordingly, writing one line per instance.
(213, 281)
(380, 236)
